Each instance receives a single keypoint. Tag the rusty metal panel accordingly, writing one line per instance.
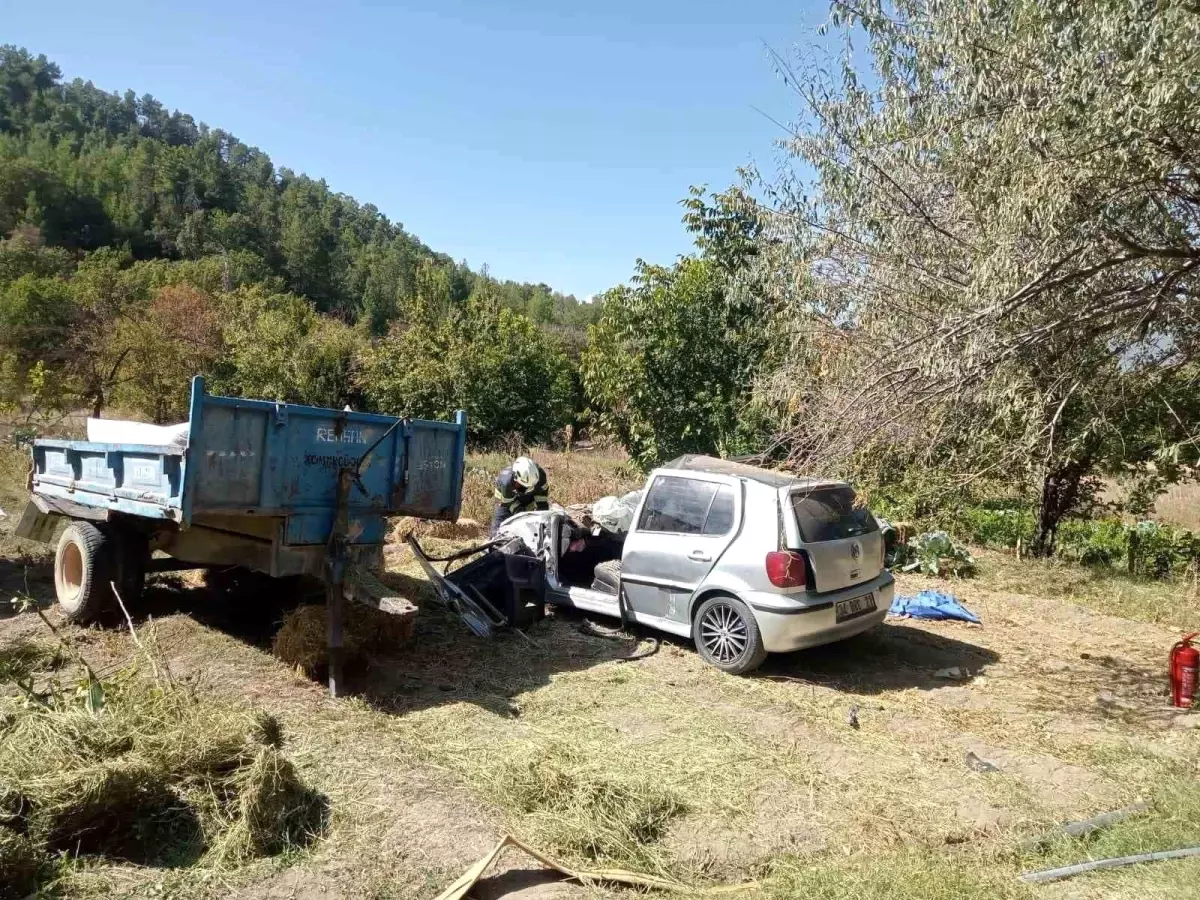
(228, 457)
(432, 484)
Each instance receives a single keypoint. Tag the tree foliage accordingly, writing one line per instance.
(670, 363)
(139, 247)
(509, 376)
(178, 335)
(1000, 247)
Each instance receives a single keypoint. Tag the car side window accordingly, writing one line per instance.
(677, 505)
(720, 513)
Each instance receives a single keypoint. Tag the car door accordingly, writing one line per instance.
(684, 524)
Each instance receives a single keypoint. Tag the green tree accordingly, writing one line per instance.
(671, 363)
(154, 354)
(511, 378)
(280, 348)
(999, 249)
(94, 169)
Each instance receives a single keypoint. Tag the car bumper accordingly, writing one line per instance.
(791, 625)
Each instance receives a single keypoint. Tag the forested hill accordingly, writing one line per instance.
(93, 169)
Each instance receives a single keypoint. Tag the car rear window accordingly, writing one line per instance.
(687, 506)
(830, 514)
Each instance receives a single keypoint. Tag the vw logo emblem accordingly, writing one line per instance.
(855, 550)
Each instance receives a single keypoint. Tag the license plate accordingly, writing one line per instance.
(854, 607)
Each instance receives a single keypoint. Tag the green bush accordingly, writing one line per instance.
(999, 527)
(1092, 541)
(280, 348)
(1160, 551)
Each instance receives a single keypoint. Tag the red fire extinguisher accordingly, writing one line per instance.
(1185, 662)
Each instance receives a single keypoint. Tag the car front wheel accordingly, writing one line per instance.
(727, 636)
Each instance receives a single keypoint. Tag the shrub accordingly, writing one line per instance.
(999, 527)
(935, 553)
(1092, 541)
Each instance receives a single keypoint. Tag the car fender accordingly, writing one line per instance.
(718, 582)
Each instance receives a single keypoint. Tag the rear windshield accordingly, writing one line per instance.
(830, 514)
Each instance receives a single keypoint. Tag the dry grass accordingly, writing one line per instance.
(1162, 602)
(21, 865)
(578, 477)
(1180, 505)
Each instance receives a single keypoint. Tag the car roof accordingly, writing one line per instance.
(714, 466)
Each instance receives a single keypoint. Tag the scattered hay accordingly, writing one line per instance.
(20, 865)
(274, 811)
(301, 641)
(112, 809)
(147, 773)
(603, 815)
(20, 660)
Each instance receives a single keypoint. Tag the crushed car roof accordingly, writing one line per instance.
(714, 466)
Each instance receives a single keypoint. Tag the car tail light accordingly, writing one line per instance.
(785, 568)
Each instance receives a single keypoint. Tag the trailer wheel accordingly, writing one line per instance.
(130, 554)
(83, 567)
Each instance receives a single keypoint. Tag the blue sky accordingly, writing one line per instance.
(550, 140)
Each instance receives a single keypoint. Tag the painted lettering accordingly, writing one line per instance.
(348, 436)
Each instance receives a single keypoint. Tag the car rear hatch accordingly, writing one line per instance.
(839, 537)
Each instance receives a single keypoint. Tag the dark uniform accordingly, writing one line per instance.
(513, 498)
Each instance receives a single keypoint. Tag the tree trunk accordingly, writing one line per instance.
(1060, 493)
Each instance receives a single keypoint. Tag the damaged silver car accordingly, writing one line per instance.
(741, 560)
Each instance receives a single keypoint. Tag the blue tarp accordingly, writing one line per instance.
(931, 605)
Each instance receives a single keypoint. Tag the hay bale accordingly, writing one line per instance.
(20, 865)
(465, 529)
(301, 641)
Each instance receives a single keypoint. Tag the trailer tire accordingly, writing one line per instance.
(130, 555)
(83, 567)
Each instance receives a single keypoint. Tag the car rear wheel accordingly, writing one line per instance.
(727, 636)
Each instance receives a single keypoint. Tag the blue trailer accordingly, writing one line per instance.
(276, 488)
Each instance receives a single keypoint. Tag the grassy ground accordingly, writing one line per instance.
(665, 765)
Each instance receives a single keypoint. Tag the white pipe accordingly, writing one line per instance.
(1080, 868)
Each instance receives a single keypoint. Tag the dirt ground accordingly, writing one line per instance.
(451, 741)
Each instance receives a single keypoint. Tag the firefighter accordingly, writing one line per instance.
(520, 488)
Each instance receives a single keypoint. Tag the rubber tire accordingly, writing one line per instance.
(751, 657)
(131, 554)
(96, 555)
